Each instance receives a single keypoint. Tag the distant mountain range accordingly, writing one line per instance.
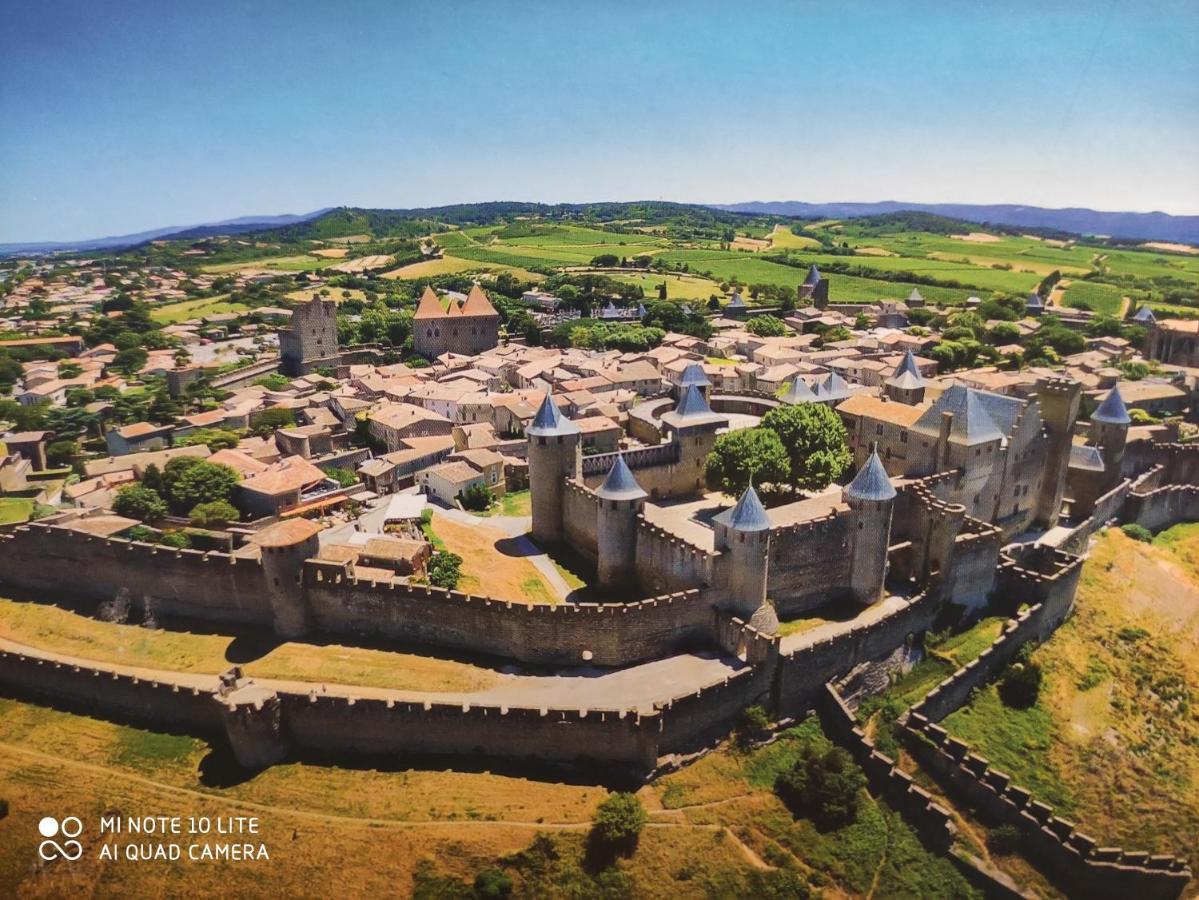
(175, 232)
(1153, 226)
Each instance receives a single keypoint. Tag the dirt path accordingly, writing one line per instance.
(1055, 295)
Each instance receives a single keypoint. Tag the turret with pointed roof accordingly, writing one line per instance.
(906, 384)
(555, 455)
(429, 306)
(871, 499)
(1112, 410)
(745, 533)
(477, 304)
(621, 499)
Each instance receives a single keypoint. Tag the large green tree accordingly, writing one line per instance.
(198, 481)
(138, 502)
(815, 441)
(749, 453)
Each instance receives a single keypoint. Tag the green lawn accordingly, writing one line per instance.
(15, 509)
(174, 313)
(1102, 298)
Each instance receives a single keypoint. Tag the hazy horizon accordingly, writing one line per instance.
(134, 117)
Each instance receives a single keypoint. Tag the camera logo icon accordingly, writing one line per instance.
(69, 828)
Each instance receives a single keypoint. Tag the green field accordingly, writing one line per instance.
(1102, 298)
(174, 313)
(298, 263)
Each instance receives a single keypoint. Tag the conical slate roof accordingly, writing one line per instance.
(907, 373)
(692, 403)
(694, 374)
(798, 392)
(834, 388)
(1144, 316)
(748, 514)
(813, 278)
(1112, 410)
(686, 307)
(872, 482)
(737, 302)
(915, 297)
(1034, 301)
(549, 421)
(641, 311)
(620, 483)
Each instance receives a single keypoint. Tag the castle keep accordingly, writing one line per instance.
(311, 338)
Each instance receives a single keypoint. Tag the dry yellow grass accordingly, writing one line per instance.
(51, 628)
(335, 294)
(331, 252)
(486, 568)
(977, 237)
(363, 264)
(446, 265)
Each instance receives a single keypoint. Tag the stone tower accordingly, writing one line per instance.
(1059, 399)
(814, 290)
(285, 546)
(906, 384)
(744, 536)
(555, 454)
(1109, 432)
(871, 499)
(311, 339)
(620, 501)
(694, 427)
(798, 392)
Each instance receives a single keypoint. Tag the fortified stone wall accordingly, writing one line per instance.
(804, 672)
(1163, 507)
(580, 509)
(205, 585)
(809, 563)
(98, 689)
(1033, 574)
(337, 725)
(666, 562)
(931, 820)
(612, 634)
(1180, 462)
(693, 720)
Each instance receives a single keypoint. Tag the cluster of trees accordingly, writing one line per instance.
(592, 334)
(444, 569)
(802, 447)
(670, 316)
(766, 326)
(187, 485)
(1021, 682)
(824, 786)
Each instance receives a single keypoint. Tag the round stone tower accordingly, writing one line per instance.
(285, 546)
(1109, 432)
(871, 499)
(620, 500)
(555, 454)
(693, 376)
(746, 540)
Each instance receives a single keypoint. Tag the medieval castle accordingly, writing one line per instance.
(466, 328)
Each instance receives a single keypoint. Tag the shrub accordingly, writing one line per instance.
(1138, 533)
(767, 326)
(60, 453)
(477, 497)
(618, 822)
(823, 786)
(138, 502)
(1021, 685)
(780, 884)
(344, 477)
(753, 722)
(1004, 839)
(492, 883)
(176, 539)
(445, 569)
(216, 514)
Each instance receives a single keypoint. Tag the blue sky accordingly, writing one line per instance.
(123, 116)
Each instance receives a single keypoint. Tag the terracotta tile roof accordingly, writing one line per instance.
(429, 307)
(477, 304)
(284, 534)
